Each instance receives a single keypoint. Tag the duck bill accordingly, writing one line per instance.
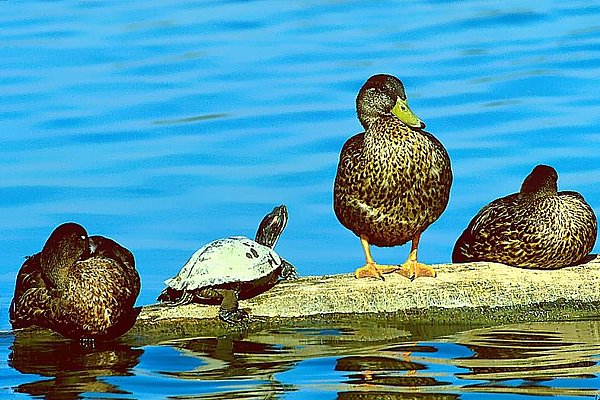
(405, 114)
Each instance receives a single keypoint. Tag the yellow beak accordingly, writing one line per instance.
(405, 114)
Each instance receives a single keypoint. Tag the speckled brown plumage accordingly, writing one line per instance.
(81, 287)
(392, 183)
(393, 180)
(538, 227)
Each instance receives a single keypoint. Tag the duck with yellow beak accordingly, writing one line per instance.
(393, 179)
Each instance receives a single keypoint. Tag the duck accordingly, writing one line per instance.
(538, 227)
(393, 179)
(82, 287)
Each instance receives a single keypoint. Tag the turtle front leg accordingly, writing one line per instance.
(288, 271)
(371, 268)
(229, 311)
(412, 268)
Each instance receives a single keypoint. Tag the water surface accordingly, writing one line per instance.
(355, 361)
(165, 125)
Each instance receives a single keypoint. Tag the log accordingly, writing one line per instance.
(479, 293)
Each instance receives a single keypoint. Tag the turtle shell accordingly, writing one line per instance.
(226, 261)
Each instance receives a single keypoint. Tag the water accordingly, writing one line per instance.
(167, 124)
(526, 361)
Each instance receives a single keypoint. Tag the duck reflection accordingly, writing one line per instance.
(385, 371)
(534, 356)
(530, 360)
(401, 375)
(74, 369)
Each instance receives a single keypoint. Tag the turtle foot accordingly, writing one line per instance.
(233, 317)
(288, 271)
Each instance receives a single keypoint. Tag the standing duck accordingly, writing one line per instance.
(393, 179)
(538, 227)
(81, 287)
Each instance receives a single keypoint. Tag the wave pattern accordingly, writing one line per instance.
(168, 124)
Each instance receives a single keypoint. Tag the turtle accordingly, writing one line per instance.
(230, 269)
(393, 180)
(83, 287)
(537, 227)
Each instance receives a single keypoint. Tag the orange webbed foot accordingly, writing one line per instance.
(374, 270)
(412, 269)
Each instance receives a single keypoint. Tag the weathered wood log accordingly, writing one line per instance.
(475, 293)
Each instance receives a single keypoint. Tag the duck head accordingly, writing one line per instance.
(543, 180)
(383, 95)
(271, 227)
(67, 244)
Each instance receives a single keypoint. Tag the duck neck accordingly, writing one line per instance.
(370, 121)
(540, 194)
(383, 140)
(536, 189)
(56, 264)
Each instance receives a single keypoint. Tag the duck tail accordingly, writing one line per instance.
(124, 324)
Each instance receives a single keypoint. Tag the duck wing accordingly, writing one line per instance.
(31, 297)
(491, 227)
(104, 247)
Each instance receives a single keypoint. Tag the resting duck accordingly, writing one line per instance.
(538, 227)
(81, 287)
(393, 180)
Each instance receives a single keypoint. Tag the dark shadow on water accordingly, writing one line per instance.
(234, 360)
(387, 372)
(381, 395)
(241, 358)
(73, 368)
(189, 120)
(530, 359)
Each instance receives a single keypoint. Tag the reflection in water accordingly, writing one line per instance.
(377, 395)
(371, 363)
(359, 362)
(74, 369)
(257, 364)
(557, 359)
(233, 359)
(390, 373)
(532, 358)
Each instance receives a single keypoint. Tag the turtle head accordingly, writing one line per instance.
(383, 95)
(541, 181)
(272, 226)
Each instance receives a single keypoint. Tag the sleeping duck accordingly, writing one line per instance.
(538, 227)
(81, 287)
(393, 180)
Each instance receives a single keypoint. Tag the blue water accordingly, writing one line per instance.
(527, 361)
(167, 124)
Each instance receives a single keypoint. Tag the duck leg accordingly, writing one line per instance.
(229, 311)
(412, 268)
(371, 268)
